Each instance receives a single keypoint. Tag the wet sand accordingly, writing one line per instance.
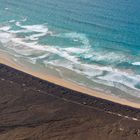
(35, 109)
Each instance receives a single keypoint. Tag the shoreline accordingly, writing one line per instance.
(66, 84)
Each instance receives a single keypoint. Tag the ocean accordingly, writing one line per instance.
(93, 43)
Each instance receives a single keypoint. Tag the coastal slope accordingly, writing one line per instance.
(34, 109)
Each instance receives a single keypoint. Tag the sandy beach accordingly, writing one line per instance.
(8, 61)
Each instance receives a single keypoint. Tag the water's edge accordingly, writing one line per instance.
(68, 84)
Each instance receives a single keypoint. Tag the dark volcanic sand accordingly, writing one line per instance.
(33, 109)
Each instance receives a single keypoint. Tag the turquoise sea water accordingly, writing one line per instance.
(95, 43)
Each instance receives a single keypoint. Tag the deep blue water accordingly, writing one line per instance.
(95, 43)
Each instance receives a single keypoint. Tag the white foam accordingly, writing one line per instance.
(5, 37)
(6, 8)
(110, 57)
(5, 28)
(33, 28)
(89, 52)
(77, 37)
(41, 56)
(38, 31)
(136, 63)
(36, 36)
(122, 79)
(74, 50)
(50, 49)
(12, 21)
(24, 19)
(36, 28)
(19, 31)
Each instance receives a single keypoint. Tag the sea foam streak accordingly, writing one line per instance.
(136, 63)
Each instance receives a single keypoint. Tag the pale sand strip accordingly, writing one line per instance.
(7, 61)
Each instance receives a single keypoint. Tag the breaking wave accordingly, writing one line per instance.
(97, 65)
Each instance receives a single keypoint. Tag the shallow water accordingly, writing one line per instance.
(95, 43)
